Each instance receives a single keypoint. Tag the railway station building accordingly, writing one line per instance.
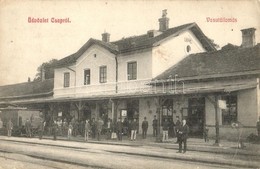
(168, 72)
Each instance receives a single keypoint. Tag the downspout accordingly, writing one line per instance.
(116, 74)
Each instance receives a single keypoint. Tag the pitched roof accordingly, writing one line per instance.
(234, 60)
(138, 42)
(144, 41)
(73, 57)
(28, 89)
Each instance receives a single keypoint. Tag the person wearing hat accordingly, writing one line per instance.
(155, 123)
(9, 128)
(144, 127)
(87, 129)
(134, 127)
(183, 133)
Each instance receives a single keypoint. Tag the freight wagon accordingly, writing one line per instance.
(18, 116)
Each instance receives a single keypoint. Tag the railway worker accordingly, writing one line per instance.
(119, 128)
(258, 127)
(65, 127)
(1, 123)
(155, 127)
(9, 128)
(93, 128)
(134, 127)
(41, 129)
(109, 128)
(59, 123)
(55, 129)
(100, 124)
(177, 128)
(183, 132)
(87, 129)
(70, 129)
(165, 128)
(75, 128)
(28, 128)
(144, 127)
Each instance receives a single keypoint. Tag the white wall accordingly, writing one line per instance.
(59, 89)
(144, 65)
(172, 50)
(247, 107)
(88, 61)
(59, 77)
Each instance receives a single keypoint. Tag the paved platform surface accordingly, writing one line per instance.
(198, 150)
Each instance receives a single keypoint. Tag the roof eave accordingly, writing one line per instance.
(211, 76)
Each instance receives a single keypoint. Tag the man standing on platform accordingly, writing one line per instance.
(55, 130)
(41, 129)
(9, 128)
(134, 127)
(144, 127)
(28, 128)
(183, 132)
(87, 129)
(119, 127)
(1, 122)
(100, 124)
(165, 127)
(177, 128)
(258, 127)
(155, 123)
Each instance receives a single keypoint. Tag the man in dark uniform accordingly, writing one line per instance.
(119, 127)
(177, 128)
(28, 128)
(41, 129)
(55, 130)
(165, 128)
(93, 128)
(183, 132)
(144, 127)
(258, 127)
(155, 123)
(134, 127)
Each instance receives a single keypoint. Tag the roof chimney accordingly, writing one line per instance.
(248, 37)
(164, 21)
(105, 37)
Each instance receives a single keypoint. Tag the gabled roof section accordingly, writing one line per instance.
(27, 89)
(139, 42)
(73, 57)
(144, 41)
(229, 61)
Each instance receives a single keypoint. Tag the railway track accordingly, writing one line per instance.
(108, 152)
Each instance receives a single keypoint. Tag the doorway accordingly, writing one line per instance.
(196, 116)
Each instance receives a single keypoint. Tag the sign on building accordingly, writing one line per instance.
(124, 113)
(222, 104)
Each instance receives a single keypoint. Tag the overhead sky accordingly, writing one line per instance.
(24, 46)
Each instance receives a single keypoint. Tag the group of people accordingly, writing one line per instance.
(127, 127)
(10, 126)
(75, 128)
(179, 130)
